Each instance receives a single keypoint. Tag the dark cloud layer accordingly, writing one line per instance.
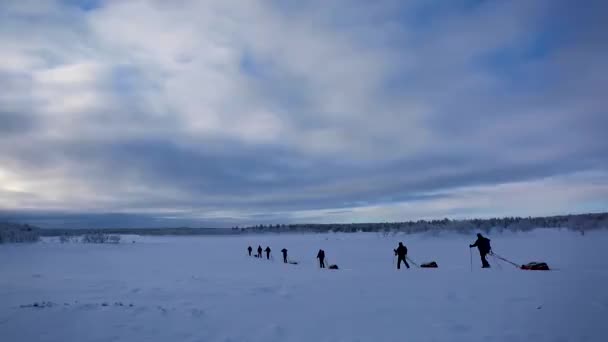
(126, 113)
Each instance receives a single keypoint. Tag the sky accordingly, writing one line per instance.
(125, 113)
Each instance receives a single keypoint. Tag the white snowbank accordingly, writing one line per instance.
(207, 289)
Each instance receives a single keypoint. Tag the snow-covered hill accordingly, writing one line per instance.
(207, 289)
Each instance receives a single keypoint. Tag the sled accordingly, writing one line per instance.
(535, 266)
(431, 264)
(292, 262)
(333, 267)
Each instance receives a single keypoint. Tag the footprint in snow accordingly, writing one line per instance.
(38, 305)
(461, 328)
(276, 330)
(264, 290)
(197, 313)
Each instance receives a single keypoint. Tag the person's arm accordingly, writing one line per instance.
(475, 244)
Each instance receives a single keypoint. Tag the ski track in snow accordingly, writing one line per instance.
(207, 289)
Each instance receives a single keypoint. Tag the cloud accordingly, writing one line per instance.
(226, 111)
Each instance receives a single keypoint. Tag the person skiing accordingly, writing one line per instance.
(267, 250)
(321, 257)
(259, 251)
(401, 253)
(284, 251)
(483, 245)
(249, 249)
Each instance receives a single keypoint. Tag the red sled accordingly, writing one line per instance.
(431, 264)
(535, 266)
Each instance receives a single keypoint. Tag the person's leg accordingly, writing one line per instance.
(399, 263)
(484, 262)
(405, 262)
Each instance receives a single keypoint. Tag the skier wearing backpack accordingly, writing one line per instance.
(259, 251)
(321, 257)
(284, 251)
(249, 249)
(483, 245)
(267, 250)
(401, 253)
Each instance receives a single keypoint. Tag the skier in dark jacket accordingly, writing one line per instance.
(267, 250)
(249, 249)
(284, 251)
(321, 257)
(401, 253)
(259, 251)
(483, 245)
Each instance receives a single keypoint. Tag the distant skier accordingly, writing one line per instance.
(483, 245)
(284, 251)
(321, 257)
(401, 253)
(259, 251)
(267, 250)
(249, 249)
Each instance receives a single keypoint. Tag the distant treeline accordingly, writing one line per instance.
(140, 231)
(583, 222)
(12, 232)
(580, 222)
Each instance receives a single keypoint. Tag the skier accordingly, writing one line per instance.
(259, 251)
(401, 253)
(483, 245)
(267, 250)
(249, 249)
(284, 251)
(321, 257)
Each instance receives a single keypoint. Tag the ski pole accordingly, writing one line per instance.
(471, 259)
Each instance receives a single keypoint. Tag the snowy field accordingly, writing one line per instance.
(207, 289)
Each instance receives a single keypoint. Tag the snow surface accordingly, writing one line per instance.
(207, 289)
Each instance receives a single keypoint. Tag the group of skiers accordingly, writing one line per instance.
(482, 243)
(267, 250)
(320, 255)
